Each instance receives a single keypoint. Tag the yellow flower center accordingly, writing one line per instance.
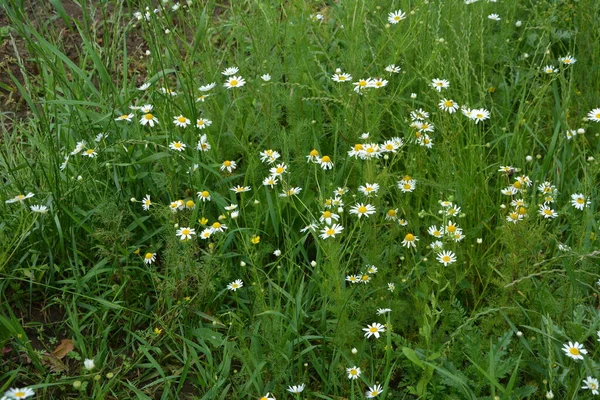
(177, 145)
(513, 216)
(409, 238)
(449, 103)
(353, 372)
(548, 212)
(149, 116)
(406, 186)
(446, 259)
(205, 194)
(279, 170)
(452, 228)
(200, 122)
(326, 159)
(358, 147)
(574, 351)
(424, 126)
(341, 78)
(182, 119)
(373, 329)
(392, 213)
(185, 231)
(327, 214)
(374, 393)
(370, 150)
(522, 210)
(233, 82)
(227, 163)
(362, 209)
(580, 200)
(479, 115)
(597, 116)
(189, 204)
(517, 185)
(19, 394)
(362, 83)
(148, 256)
(216, 225)
(389, 146)
(314, 153)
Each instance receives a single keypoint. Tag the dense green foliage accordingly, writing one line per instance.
(105, 267)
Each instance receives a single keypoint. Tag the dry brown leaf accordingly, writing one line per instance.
(65, 347)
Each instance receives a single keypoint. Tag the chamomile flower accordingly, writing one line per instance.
(270, 181)
(240, 189)
(203, 123)
(446, 257)
(91, 153)
(375, 329)
(149, 258)
(407, 184)
(591, 384)
(148, 119)
(410, 240)
(369, 189)
(365, 278)
(437, 245)
(144, 86)
(392, 145)
(234, 82)
(549, 69)
(22, 393)
(20, 198)
(341, 77)
(378, 83)
(313, 156)
(291, 192)
(574, 350)
(594, 115)
(267, 397)
(202, 98)
(579, 201)
(146, 203)
(325, 162)
(362, 210)
(419, 115)
(204, 195)
(177, 146)
(391, 214)
(125, 117)
(361, 84)
(228, 165)
(480, 114)
(269, 156)
(340, 191)
(547, 212)
(208, 87)
(279, 170)
(439, 84)
(265, 77)
(374, 391)
(448, 105)
(206, 233)
(494, 17)
(391, 287)
(331, 231)
(383, 311)
(328, 217)
(567, 60)
(425, 141)
(39, 209)
(353, 372)
(235, 285)
(353, 278)
(434, 231)
(168, 91)
(392, 69)
(396, 16)
(514, 217)
(296, 388)
(203, 144)
(230, 71)
(218, 227)
(181, 121)
(185, 233)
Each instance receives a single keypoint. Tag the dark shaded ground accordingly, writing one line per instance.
(13, 48)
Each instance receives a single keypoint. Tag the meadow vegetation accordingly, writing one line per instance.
(302, 199)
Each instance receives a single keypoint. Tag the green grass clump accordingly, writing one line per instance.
(206, 202)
